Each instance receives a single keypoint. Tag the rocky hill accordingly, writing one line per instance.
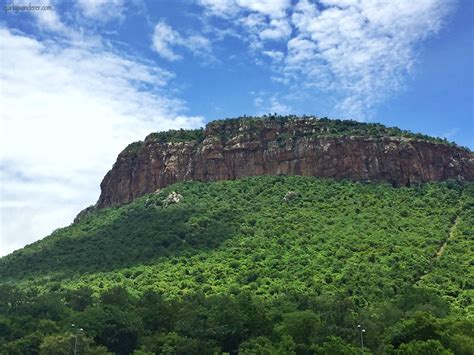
(259, 264)
(275, 145)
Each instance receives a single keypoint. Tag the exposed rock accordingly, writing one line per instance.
(289, 196)
(237, 148)
(173, 197)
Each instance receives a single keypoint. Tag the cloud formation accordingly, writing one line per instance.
(66, 110)
(231, 8)
(166, 40)
(48, 20)
(360, 51)
(102, 10)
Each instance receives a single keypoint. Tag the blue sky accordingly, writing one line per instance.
(82, 79)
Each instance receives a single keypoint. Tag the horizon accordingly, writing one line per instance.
(80, 81)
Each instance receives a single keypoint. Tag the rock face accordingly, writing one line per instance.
(237, 148)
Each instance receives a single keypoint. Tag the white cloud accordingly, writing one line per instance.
(271, 8)
(102, 10)
(279, 29)
(165, 40)
(221, 8)
(364, 48)
(357, 51)
(276, 106)
(232, 8)
(276, 56)
(254, 22)
(47, 19)
(50, 21)
(65, 113)
(199, 45)
(265, 20)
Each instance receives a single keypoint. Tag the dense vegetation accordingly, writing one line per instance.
(170, 136)
(176, 135)
(324, 128)
(265, 265)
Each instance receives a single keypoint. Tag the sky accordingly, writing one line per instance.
(80, 80)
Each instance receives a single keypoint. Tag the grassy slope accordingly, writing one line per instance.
(366, 240)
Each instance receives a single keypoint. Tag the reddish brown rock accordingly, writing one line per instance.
(238, 148)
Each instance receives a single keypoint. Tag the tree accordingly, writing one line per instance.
(423, 326)
(58, 344)
(335, 345)
(302, 326)
(46, 306)
(116, 296)
(417, 347)
(155, 311)
(264, 346)
(419, 299)
(79, 299)
(63, 344)
(28, 345)
(10, 299)
(173, 343)
(112, 327)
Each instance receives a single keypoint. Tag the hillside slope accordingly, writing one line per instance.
(257, 260)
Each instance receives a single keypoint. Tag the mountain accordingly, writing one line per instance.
(270, 264)
(276, 145)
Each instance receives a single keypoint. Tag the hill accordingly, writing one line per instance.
(283, 145)
(260, 265)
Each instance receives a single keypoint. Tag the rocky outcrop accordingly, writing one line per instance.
(173, 198)
(238, 148)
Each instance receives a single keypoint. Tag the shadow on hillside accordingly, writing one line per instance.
(134, 236)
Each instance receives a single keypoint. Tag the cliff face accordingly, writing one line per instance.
(234, 149)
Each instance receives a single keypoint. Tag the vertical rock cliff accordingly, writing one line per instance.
(231, 149)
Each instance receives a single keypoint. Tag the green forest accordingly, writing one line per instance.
(261, 265)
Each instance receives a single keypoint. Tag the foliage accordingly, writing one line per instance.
(63, 344)
(176, 135)
(234, 268)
